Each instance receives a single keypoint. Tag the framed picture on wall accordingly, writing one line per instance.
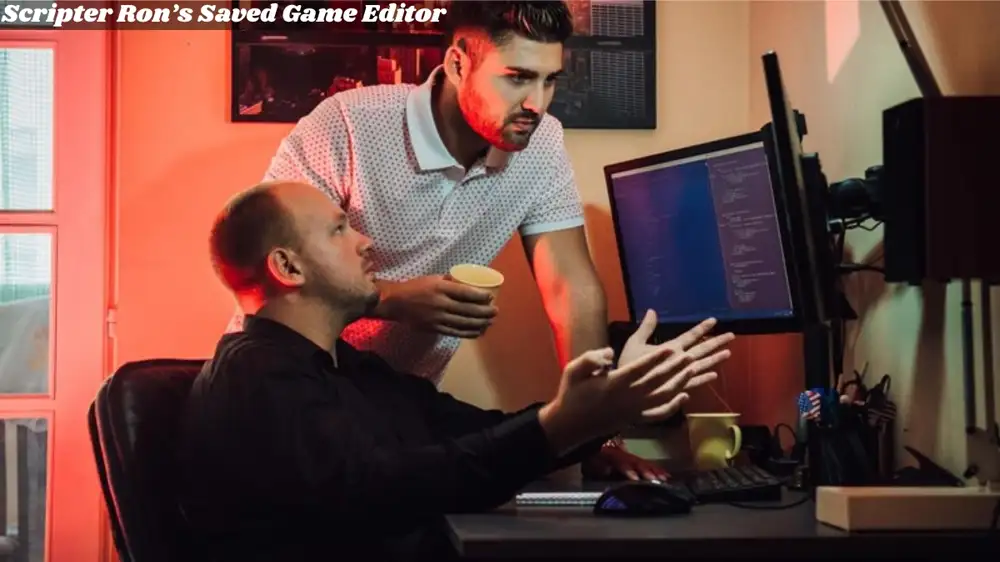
(280, 72)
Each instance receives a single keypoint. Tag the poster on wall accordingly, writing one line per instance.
(282, 71)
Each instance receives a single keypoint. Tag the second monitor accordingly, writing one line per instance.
(700, 234)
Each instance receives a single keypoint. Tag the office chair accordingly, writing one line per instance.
(133, 429)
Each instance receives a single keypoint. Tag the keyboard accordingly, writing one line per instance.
(733, 484)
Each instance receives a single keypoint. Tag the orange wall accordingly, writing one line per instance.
(180, 159)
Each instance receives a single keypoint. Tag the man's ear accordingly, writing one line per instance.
(284, 267)
(457, 63)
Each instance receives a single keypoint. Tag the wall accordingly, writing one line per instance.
(703, 76)
(841, 68)
(180, 159)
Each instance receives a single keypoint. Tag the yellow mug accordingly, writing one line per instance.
(715, 439)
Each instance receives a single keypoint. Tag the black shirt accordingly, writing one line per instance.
(285, 456)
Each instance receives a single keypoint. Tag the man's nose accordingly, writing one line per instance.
(535, 100)
(364, 245)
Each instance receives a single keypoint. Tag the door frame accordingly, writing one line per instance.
(88, 135)
(109, 552)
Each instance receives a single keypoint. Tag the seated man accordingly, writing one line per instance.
(290, 452)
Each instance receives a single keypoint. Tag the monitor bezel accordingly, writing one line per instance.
(666, 329)
(814, 274)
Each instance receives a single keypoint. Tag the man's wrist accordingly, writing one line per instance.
(383, 310)
(563, 433)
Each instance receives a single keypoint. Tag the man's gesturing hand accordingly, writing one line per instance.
(438, 304)
(705, 352)
(594, 400)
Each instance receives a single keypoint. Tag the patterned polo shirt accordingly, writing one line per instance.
(376, 151)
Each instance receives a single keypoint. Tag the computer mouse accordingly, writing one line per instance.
(643, 499)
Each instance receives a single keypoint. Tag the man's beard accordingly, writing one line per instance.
(517, 140)
(500, 135)
(471, 107)
(371, 302)
(353, 301)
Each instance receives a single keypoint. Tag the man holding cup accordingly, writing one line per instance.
(443, 173)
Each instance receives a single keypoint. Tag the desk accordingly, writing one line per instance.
(709, 531)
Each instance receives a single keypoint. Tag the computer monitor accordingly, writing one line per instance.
(802, 187)
(700, 235)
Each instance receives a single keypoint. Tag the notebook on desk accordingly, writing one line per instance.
(557, 499)
(555, 494)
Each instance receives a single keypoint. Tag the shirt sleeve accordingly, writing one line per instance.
(558, 206)
(449, 417)
(317, 151)
(324, 454)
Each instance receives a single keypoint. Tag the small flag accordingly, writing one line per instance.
(811, 404)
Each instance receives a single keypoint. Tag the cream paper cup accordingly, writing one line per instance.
(479, 276)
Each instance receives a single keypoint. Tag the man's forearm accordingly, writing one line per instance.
(474, 472)
(578, 314)
(453, 418)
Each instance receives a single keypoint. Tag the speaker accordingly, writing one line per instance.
(941, 189)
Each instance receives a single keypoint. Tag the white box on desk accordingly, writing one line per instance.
(906, 508)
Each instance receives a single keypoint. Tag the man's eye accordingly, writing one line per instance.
(520, 80)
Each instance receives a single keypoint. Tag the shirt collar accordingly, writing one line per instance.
(424, 137)
(347, 356)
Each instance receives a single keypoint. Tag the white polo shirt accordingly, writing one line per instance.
(376, 151)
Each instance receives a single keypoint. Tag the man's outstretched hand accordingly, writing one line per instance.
(705, 352)
(614, 461)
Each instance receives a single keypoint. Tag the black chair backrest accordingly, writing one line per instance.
(134, 424)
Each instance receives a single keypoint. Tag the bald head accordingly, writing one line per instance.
(253, 223)
(288, 239)
(301, 201)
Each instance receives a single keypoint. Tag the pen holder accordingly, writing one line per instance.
(846, 452)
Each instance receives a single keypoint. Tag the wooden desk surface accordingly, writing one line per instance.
(709, 531)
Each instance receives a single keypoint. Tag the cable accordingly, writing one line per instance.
(837, 325)
(789, 428)
(766, 507)
(721, 399)
(856, 267)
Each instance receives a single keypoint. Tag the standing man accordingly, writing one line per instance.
(444, 173)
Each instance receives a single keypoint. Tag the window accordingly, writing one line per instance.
(26, 93)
